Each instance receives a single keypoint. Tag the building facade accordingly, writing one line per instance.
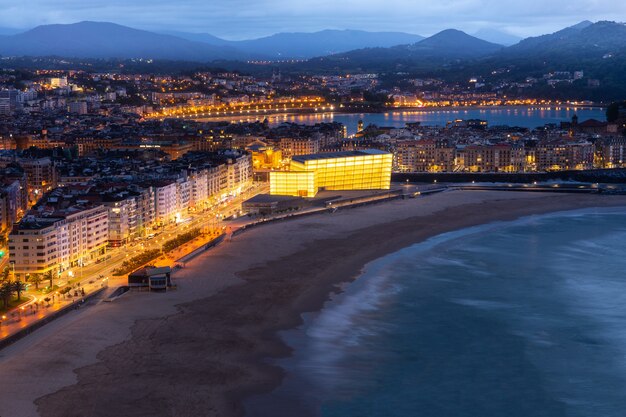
(353, 170)
(58, 240)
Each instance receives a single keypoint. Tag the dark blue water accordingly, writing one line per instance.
(530, 117)
(517, 319)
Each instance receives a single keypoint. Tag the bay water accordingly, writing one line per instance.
(525, 318)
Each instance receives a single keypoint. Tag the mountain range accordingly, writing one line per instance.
(110, 40)
(497, 36)
(450, 43)
(438, 50)
(103, 40)
(586, 37)
(308, 45)
(586, 45)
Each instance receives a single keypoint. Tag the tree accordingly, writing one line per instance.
(49, 276)
(6, 291)
(5, 274)
(18, 288)
(612, 111)
(36, 280)
(380, 98)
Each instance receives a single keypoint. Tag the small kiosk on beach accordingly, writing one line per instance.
(153, 278)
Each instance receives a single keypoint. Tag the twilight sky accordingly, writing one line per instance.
(241, 19)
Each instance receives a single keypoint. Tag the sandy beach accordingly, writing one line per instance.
(198, 350)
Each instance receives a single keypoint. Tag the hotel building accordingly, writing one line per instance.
(352, 170)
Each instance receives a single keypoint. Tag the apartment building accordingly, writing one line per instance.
(610, 152)
(57, 240)
(423, 156)
(560, 155)
(165, 201)
(299, 146)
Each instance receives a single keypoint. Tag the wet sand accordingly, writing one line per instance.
(198, 350)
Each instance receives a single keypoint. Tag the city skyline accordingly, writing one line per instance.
(243, 19)
(366, 208)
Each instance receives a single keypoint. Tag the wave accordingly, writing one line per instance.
(532, 310)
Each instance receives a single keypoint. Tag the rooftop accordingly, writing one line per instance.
(343, 154)
(267, 198)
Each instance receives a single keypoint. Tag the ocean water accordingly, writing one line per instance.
(526, 318)
(529, 117)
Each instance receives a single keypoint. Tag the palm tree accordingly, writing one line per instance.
(49, 276)
(35, 279)
(6, 291)
(18, 288)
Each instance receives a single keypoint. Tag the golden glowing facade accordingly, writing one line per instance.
(354, 170)
(296, 183)
(267, 159)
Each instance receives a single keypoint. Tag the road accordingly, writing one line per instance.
(92, 277)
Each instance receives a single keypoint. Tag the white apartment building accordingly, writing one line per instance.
(184, 187)
(123, 219)
(166, 201)
(59, 240)
(199, 189)
(131, 213)
(218, 182)
(239, 174)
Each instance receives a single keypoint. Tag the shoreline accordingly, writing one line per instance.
(207, 354)
(429, 109)
(321, 331)
(315, 301)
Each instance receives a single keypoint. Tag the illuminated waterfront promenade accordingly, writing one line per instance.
(268, 106)
(93, 277)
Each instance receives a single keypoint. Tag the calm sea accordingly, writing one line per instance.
(512, 319)
(530, 117)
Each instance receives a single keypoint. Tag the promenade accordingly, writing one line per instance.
(229, 302)
(42, 306)
(95, 277)
(83, 282)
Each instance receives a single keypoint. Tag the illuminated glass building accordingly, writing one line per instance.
(354, 170)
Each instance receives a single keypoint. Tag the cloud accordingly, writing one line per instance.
(250, 18)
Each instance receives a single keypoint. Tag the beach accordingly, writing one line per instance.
(200, 349)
